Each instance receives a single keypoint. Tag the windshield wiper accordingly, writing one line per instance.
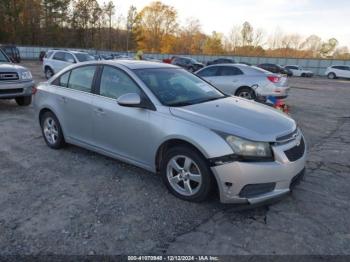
(210, 99)
(180, 104)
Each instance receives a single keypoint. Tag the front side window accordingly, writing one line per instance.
(81, 78)
(177, 87)
(115, 82)
(208, 72)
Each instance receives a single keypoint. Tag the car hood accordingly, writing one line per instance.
(7, 67)
(239, 117)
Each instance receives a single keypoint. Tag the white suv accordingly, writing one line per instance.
(55, 60)
(299, 71)
(333, 72)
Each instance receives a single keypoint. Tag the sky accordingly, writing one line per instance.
(324, 18)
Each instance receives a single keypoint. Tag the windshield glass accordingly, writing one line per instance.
(3, 58)
(84, 57)
(177, 87)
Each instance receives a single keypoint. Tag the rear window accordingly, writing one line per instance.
(48, 54)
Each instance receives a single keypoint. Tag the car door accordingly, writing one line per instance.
(347, 72)
(209, 74)
(57, 62)
(68, 60)
(228, 79)
(75, 103)
(343, 72)
(123, 131)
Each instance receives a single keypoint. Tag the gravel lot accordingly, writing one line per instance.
(73, 201)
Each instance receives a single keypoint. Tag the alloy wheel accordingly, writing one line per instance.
(184, 175)
(50, 129)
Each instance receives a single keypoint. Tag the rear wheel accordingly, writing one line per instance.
(331, 76)
(24, 100)
(186, 174)
(48, 72)
(52, 131)
(246, 92)
(303, 75)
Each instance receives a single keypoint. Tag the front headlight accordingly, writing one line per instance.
(26, 75)
(248, 148)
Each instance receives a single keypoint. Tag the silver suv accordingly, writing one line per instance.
(56, 60)
(15, 81)
(164, 119)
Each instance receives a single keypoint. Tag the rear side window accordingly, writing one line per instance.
(81, 78)
(59, 56)
(230, 71)
(115, 82)
(208, 72)
(68, 57)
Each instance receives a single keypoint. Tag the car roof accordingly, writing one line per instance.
(229, 64)
(132, 64)
(64, 50)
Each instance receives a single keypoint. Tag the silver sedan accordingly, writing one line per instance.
(245, 81)
(169, 121)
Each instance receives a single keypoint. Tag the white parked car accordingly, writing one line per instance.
(299, 71)
(55, 60)
(245, 81)
(333, 72)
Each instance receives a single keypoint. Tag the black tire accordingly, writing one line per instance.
(60, 142)
(331, 76)
(24, 100)
(246, 92)
(48, 72)
(204, 189)
(303, 75)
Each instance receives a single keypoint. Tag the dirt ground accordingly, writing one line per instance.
(73, 201)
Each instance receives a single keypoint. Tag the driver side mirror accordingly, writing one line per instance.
(129, 100)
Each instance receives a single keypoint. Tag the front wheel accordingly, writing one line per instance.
(52, 131)
(24, 100)
(331, 76)
(246, 93)
(186, 174)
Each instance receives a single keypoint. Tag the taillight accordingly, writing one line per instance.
(34, 89)
(274, 79)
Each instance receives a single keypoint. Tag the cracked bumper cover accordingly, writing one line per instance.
(233, 177)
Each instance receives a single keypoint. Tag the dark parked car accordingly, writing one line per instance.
(12, 52)
(187, 63)
(277, 69)
(221, 61)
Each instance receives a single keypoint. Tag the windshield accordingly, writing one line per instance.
(3, 58)
(84, 57)
(177, 87)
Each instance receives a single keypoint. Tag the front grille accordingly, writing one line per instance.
(288, 137)
(296, 152)
(254, 190)
(8, 76)
(11, 91)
